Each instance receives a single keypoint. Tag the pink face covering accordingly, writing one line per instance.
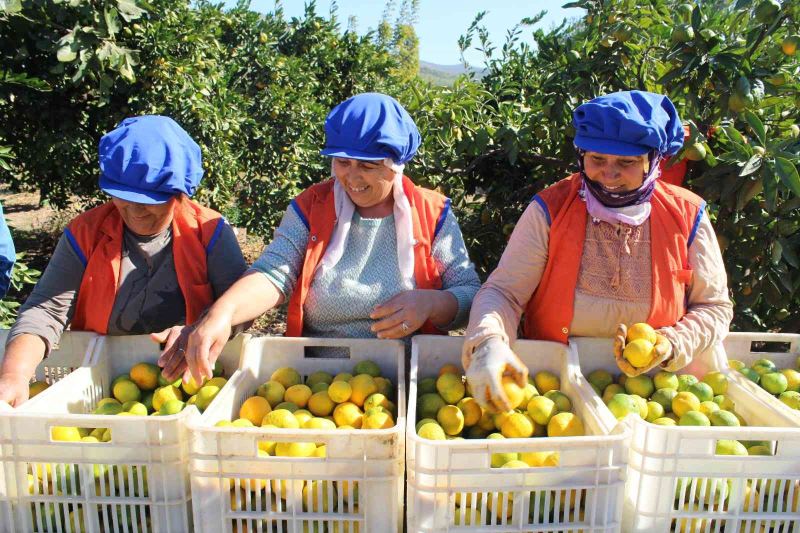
(631, 208)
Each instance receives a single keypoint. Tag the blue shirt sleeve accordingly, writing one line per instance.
(282, 260)
(7, 255)
(457, 271)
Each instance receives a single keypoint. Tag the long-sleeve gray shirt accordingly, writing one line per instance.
(148, 299)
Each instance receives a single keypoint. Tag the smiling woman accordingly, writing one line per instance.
(610, 245)
(365, 254)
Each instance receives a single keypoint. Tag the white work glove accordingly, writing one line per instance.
(663, 349)
(485, 368)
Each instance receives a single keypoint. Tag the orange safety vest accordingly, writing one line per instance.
(315, 207)
(674, 219)
(96, 236)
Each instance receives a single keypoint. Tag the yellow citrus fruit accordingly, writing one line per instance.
(641, 330)
(375, 419)
(450, 369)
(683, 402)
(546, 381)
(363, 386)
(451, 419)
(708, 407)
(254, 409)
(216, 382)
(145, 375)
(340, 391)
(65, 433)
(319, 387)
(319, 423)
(321, 404)
(450, 387)
(272, 391)
(379, 400)
(539, 459)
(514, 392)
(348, 414)
(384, 386)
(343, 376)
(170, 407)
(191, 387)
(541, 409)
(319, 496)
(223, 423)
(205, 396)
(242, 423)
(164, 394)
(298, 395)
(565, 425)
(319, 377)
(36, 387)
(295, 449)
(517, 426)
(471, 410)
(281, 418)
(286, 376)
(639, 353)
(126, 390)
(321, 451)
(267, 446)
(136, 408)
(302, 416)
(431, 431)
(472, 517)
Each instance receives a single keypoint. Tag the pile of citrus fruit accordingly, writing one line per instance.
(362, 399)
(446, 411)
(145, 392)
(784, 383)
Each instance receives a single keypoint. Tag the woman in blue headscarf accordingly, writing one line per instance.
(364, 254)
(148, 261)
(608, 246)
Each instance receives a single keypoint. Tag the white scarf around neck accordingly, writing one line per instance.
(402, 222)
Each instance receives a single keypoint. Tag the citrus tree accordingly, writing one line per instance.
(731, 68)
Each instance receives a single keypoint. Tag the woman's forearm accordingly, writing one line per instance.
(23, 354)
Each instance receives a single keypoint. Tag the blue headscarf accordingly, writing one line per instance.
(628, 123)
(371, 126)
(149, 159)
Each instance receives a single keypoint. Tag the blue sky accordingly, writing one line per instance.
(441, 22)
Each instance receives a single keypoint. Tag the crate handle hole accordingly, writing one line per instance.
(326, 352)
(770, 347)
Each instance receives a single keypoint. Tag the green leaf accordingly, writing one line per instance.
(128, 10)
(11, 6)
(788, 174)
(789, 254)
(753, 164)
(757, 126)
(112, 24)
(66, 54)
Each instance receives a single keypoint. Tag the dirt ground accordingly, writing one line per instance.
(36, 230)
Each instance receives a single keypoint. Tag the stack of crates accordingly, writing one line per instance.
(136, 482)
(675, 479)
(356, 486)
(452, 486)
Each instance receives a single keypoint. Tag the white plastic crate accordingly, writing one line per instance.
(75, 348)
(234, 489)
(783, 349)
(137, 482)
(589, 473)
(657, 496)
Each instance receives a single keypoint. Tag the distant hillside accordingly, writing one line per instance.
(444, 74)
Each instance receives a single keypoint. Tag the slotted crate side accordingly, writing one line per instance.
(439, 472)
(662, 455)
(75, 348)
(227, 457)
(142, 472)
(783, 349)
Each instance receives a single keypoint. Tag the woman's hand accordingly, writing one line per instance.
(173, 357)
(486, 366)
(662, 351)
(403, 314)
(14, 389)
